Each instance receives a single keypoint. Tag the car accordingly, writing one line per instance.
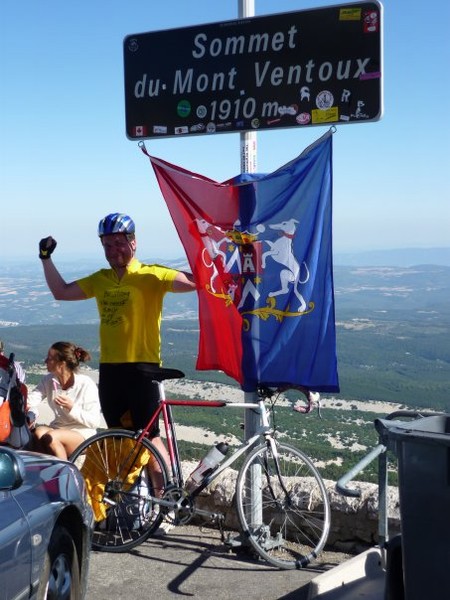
(46, 525)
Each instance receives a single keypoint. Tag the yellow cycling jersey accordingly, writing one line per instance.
(130, 310)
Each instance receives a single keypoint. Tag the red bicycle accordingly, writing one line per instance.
(281, 500)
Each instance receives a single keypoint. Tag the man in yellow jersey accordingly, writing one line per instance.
(129, 298)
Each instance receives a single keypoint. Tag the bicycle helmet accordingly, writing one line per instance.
(116, 223)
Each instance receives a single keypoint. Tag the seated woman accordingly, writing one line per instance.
(73, 397)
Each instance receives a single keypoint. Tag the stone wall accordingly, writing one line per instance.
(354, 521)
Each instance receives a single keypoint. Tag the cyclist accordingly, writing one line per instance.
(129, 298)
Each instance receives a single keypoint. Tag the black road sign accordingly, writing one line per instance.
(296, 69)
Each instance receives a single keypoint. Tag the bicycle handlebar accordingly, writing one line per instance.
(312, 399)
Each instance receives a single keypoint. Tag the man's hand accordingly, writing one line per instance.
(46, 247)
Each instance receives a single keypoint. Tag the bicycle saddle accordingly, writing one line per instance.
(160, 373)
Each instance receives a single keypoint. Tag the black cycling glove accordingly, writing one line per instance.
(46, 247)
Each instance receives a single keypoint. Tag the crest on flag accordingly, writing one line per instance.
(260, 249)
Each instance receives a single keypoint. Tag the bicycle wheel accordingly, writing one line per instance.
(283, 506)
(121, 475)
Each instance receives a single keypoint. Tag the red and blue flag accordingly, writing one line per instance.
(260, 249)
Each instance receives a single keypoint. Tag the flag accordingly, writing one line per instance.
(260, 249)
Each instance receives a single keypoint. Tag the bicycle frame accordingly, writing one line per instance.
(165, 407)
(282, 522)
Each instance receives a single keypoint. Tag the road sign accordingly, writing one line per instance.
(295, 69)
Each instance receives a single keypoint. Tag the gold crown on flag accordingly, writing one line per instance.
(241, 238)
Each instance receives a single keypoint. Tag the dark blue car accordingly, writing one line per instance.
(45, 528)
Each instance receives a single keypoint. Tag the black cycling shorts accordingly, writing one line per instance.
(128, 387)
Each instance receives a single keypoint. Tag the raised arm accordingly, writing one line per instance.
(60, 289)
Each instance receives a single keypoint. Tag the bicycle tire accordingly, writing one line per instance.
(286, 527)
(113, 464)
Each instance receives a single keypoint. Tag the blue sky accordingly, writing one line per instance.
(65, 161)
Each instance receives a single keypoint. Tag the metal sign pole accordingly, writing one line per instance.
(251, 421)
(248, 165)
(248, 139)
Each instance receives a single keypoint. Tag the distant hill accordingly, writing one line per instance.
(393, 327)
(26, 300)
(405, 257)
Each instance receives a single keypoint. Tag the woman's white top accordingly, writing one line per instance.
(85, 413)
